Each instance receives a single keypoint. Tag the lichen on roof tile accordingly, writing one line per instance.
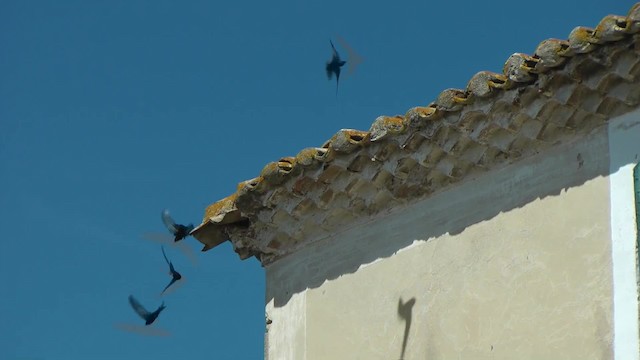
(551, 53)
(520, 68)
(419, 116)
(633, 19)
(278, 172)
(384, 125)
(581, 40)
(221, 207)
(565, 89)
(347, 140)
(484, 83)
(611, 28)
(452, 99)
(307, 157)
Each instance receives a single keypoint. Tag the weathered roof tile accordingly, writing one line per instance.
(520, 68)
(483, 83)
(581, 40)
(633, 19)
(384, 125)
(551, 53)
(611, 28)
(452, 100)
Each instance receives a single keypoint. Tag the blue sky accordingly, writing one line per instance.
(112, 111)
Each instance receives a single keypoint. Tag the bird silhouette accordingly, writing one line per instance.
(333, 66)
(149, 317)
(179, 231)
(175, 276)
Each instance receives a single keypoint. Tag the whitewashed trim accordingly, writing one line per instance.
(624, 147)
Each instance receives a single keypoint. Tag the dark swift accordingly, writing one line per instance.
(179, 231)
(333, 66)
(175, 276)
(149, 317)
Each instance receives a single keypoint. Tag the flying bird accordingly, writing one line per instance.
(149, 317)
(179, 231)
(333, 66)
(353, 58)
(172, 271)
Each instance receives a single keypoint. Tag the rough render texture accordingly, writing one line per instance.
(533, 282)
(565, 90)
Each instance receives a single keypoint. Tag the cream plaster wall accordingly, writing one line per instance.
(513, 264)
(532, 283)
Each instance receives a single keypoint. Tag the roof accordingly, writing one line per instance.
(566, 89)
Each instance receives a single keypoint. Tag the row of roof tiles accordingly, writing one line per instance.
(538, 94)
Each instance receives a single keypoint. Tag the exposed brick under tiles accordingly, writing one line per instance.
(404, 167)
(585, 98)
(383, 199)
(303, 185)
(613, 107)
(359, 163)
(360, 188)
(417, 174)
(431, 154)
(281, 216)
(531, 128)
(461, 145)
(473, 152)
(470, 121)
(413, 142)
(339, 215)
(304, 208)
(582, 70)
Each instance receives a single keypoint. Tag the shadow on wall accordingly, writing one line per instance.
(448, 212)
(405, 313)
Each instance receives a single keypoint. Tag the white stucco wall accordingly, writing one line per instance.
(527, 261)
(624, 147)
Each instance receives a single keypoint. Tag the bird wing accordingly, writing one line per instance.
(139, 309)
(335, 52)
(353, 57)
(172, 270)
(162, 239)
(187, 251)
(170, 283)
(165, 239)
(165, 258)
(168, 221)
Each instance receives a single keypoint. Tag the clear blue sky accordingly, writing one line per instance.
(111, 111)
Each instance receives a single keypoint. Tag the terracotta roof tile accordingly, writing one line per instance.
(565, 89)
